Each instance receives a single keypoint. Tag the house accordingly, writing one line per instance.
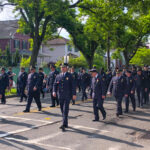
(9, 38)
(57, 49)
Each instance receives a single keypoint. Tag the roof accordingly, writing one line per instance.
(8, 28)
(58, 41)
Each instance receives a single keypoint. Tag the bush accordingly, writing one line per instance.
(25, 62)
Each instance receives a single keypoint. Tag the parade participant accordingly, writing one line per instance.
(65, 86)
(75, 78)
(79, 79)
(5, 84)
(33, 88)
(50, 83)
(21, 83)
(130, 91)
(98, 94)
(140, 86)
(85, 82)
(41, 79)
(117, 87)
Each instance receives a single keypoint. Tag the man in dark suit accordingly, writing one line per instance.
(51, 79)
(117, 87)
(5, 84)
(21, 83)
(65, 86)
(33, 89)
(98, 86)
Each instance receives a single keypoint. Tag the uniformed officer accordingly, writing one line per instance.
(79, 79)
(66, 88)
(146, 74)
(130, 91)
(140, 86)
(5, 84)
(98, 86)
(108, 77)
(41, 78)
(33, 89)
(117, 87)
(75, 78)
(85, 82)
(1, 86)
(51, 79)
(21, 83)
(134, 71)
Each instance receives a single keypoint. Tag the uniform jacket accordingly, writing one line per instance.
(85, 80)
(75, 77)
(51, 79)
(98, 87)
(117, 86)
(22, 80)
(64, 86)
(140, 81)
(41, 78)
(5, 81)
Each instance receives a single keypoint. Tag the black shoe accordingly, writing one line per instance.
(117, 114)
(3, 102)
(95, 120)
(25, 111)
(21, 101)
(63, 128)
(73, 103)
(52, 106)
(40, 109)
(104, 117)
(134, 109)
(125, 111)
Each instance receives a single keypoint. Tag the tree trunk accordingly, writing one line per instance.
(126, 58)
(108, 53)
(35, 52)
(90, 61)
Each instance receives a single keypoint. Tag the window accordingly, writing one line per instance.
(16, 44)
(69, 48)
(24, 44)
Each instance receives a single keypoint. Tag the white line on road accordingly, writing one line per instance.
(37, 143)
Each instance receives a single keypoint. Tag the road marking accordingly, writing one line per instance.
(49, 108)
(89, 128)
(26, 119)
(37, 143)
(24, 129)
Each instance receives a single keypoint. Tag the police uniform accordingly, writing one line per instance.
(75, 78)
(21, 83)
(140, 88)
(51, 79)
(5, 84)
(41, 78)
(108, 78)
(130, 92)
(85, 82)
(98, 86)
(65, 86)
(33, 81)
(117, 87)
(79, 80)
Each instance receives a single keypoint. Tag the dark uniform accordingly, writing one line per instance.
(140, 88)
(98, 86)
(65, 87)
(117, 87)
(5, 84)
(21, 83)
(85, 82)
(146, 75)
(79, 80)
(108, 78)
(128, 91)
(41, 78)
(75, 78)
(33, 81)
(51, 79)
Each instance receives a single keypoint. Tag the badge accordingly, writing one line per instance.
(130, 81)
(67, 78)
(122, 80)
(34, 77)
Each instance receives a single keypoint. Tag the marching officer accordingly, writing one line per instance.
(146, 74)
(41, 78)
(140, 86)
(98, 87)
(108, 77)
(130, 91)
(5, 84)
(51, 79)
(79, 79)
(134, 71)
(66, 88)
(85, 82)
(21, 83)
(33, 89)
(117, 87)
(75, 78)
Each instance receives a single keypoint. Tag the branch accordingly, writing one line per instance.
(75, 4)
(24, 16)
(6, 4)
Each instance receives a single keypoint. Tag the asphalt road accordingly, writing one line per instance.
(40, 130)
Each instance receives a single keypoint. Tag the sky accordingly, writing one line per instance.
(7, 14)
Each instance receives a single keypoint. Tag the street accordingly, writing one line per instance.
(40, 130)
